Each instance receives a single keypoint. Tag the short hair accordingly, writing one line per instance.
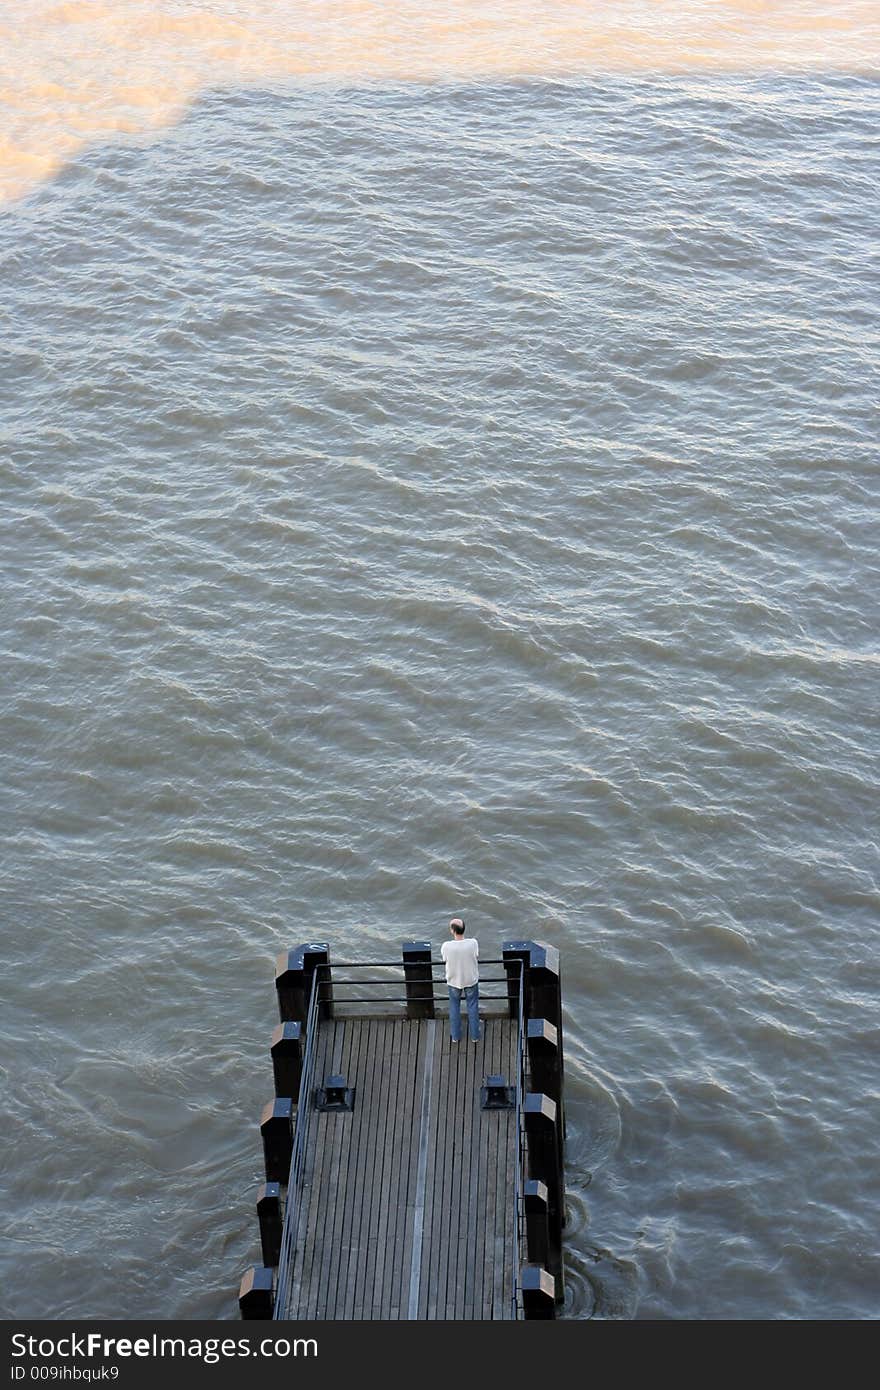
(457, 925)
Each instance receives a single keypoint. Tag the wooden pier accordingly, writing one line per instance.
(408, 1176)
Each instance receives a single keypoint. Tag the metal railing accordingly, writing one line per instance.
(332, 984)
(295, 1182)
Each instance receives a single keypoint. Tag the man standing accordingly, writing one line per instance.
(460, 956)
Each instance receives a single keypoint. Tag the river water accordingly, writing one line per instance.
(439, 464)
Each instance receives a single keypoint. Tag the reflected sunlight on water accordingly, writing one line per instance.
(84, 71)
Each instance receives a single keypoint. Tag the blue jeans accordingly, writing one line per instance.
(472, 998)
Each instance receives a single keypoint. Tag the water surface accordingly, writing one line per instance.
(435, 496)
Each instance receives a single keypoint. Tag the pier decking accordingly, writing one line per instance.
(406, 1200)
(407, 1176)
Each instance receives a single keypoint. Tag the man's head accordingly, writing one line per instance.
(456, 926)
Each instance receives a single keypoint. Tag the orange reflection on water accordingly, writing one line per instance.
(83, 71)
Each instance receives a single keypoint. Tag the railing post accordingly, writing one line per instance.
(324, 983)
(537, 1222)
(269, 1217)
(287, 1057)
(294, 970)
(540, 1118)
(516, 955)
(538, 1296)
(277, 1131)
(255, 1296)
(419, 980)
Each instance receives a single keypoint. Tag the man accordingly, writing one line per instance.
(460, 956)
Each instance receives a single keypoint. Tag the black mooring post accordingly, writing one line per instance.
(542, 991)
(544, 1064)
(287, 1058)
(294, 971)
(419, 980)
(544, 1149)
(538, 1296)
(256, 1297)
(271, 1225)
(545, 986)
(545, 1075)
(537, 1222)
(516, 956)
(277, 1131)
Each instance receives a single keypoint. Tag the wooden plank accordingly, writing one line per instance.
(341, 1057)
(348, 1192)
(505, 1207)
(354, 1195)
(489, 1131)
(440, 1303)
(329, 1216)
(482, 1120)
(502, 1196)
(371, 1198)
(425, 1100)
(387, 1161)
(374, 1194)
(397, 1194)
(396, 1130)
(489, 1177)
(503, 1138)
(441, 1188)
(471, 1221)
(412, 1175)
(400, 1299)
(367, 1113)
(471, 1210)
(392, 1072)
(403, 1244)
(466, 1162)
(308, 1245)
(319, 1236)
(460, 1162)
(433, 1175)
(456, 1098)
(512, 1272)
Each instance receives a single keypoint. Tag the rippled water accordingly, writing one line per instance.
(424, 497)
(74, 71)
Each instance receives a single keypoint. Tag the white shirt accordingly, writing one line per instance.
(460, 956)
